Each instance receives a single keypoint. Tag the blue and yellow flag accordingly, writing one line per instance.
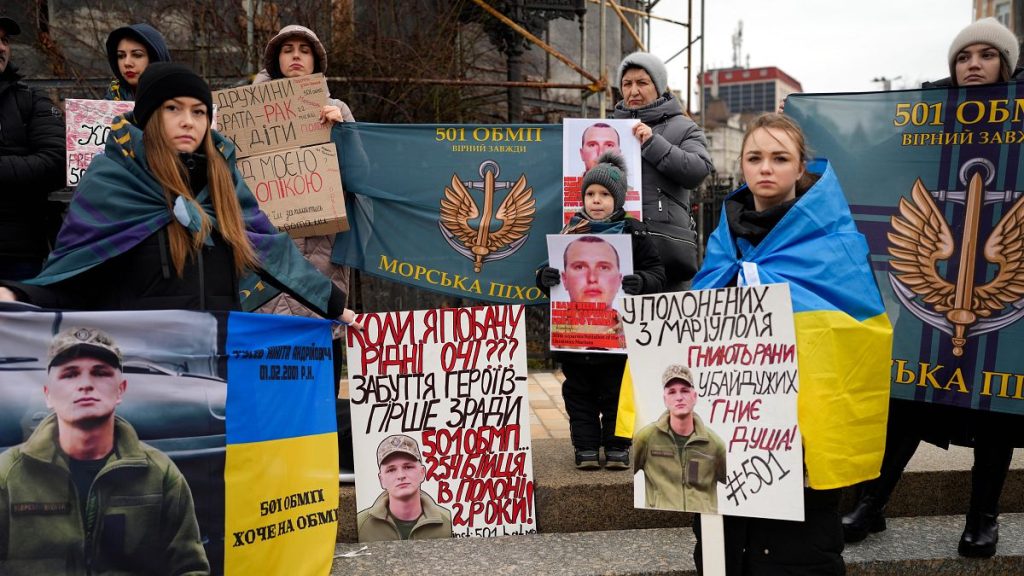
(844, 338)
(280, 473)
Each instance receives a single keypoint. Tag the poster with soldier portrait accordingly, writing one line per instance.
(715, 386)
(586, 304)
(440, 418)
(584, 140)
(183, 442)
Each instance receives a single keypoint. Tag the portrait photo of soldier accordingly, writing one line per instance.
(598, 138)
(683, 461)
(83, 494)
(403, 511)
(591, 270)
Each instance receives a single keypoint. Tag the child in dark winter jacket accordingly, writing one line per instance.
(591, 387)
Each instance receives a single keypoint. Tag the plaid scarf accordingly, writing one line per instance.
(119, 203)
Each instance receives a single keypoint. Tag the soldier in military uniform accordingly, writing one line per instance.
(402, 511)
(83, 495)
(682, 459)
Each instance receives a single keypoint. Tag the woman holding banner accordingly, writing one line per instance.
(790, 224)
(130, 49)
(984, 52)
(297, 51)
(163, 220)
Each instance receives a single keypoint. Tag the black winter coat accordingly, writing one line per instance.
(32, 164)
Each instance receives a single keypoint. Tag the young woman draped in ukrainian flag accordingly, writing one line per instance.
(791, 224)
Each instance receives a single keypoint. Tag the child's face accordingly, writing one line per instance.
(598, 202)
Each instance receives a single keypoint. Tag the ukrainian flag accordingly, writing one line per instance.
(844, 338)
(281, 468)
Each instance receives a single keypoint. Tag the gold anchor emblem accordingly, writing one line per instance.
(482, 244)
(921, 238)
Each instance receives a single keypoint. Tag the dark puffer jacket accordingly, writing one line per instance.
(675, 158)
(31, 165)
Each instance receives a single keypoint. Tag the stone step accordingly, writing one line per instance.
(937, 482)
(916, 546)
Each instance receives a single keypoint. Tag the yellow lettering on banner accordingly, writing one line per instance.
(904, 376)
(1004, 378)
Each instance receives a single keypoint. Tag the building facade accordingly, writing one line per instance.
(749, 90)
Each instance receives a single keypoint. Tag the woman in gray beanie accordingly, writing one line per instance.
(984, 52)
(675, 161)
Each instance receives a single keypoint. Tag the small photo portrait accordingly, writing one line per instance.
(679, 445)
(403, 510)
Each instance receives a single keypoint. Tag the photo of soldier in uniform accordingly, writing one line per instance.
(83, 494)
(682, 460)
(402, 511)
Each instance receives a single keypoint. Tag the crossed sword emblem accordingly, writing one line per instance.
(921, 238)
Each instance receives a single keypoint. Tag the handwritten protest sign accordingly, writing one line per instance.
(586, 303)
(442, 393)
(718, 367)
(583, 141)
(299, 189)
(275, 115)
(86, 129)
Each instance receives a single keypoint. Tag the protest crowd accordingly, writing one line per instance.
(164, 220)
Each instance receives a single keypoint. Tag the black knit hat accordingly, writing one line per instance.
(610, 172)
(165, 80)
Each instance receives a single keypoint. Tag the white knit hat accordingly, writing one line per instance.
(985, 31)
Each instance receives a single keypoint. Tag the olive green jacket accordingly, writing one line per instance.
(144, 520)
(688, 483)
(375, 523)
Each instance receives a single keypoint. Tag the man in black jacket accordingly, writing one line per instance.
(32, 157)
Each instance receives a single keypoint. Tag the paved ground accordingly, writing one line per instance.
(548, 418)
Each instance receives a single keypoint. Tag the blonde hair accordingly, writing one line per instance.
(170, 172)
(792, 129)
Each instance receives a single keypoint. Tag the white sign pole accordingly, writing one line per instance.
(712, 544)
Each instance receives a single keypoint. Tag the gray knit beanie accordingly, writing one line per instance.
(610, 172)
(653, 65)
(985, 31)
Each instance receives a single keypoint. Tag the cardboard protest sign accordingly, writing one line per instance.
(299, 189)
(230, 464)
(583, 141)
(441, 423)
(86, 129)
(274, 115)
(587, 302)
(715, 386)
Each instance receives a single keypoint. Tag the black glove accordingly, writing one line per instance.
(549, 277)
(632, 284)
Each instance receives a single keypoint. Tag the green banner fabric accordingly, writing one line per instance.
(933, 179)
(458, 209)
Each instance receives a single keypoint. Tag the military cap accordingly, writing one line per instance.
(676, 372)
(78, 342)
(397, 443)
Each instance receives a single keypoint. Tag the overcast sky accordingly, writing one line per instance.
(826, 45)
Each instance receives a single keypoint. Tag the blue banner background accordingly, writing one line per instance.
(879, 145)
(395, 178)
